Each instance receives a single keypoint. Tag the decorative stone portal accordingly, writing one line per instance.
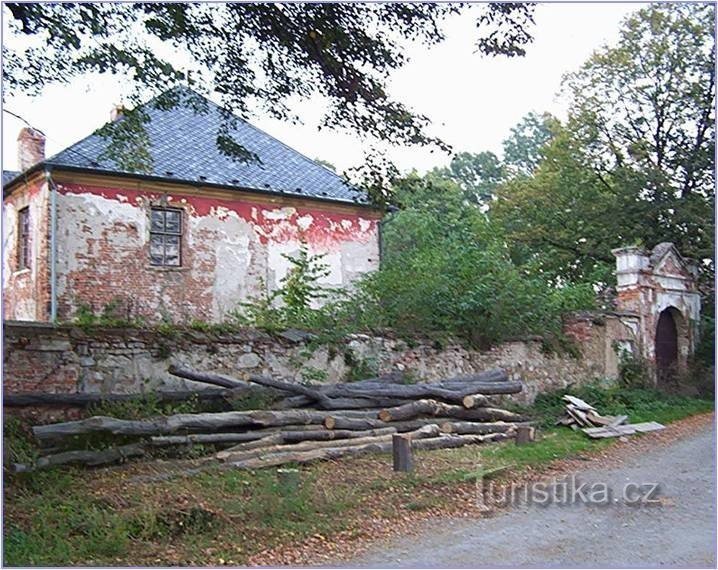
(659, 288)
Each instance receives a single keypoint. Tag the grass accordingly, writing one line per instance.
(639, 404)
(103, 517)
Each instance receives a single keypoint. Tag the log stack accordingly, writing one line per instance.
(309, 423)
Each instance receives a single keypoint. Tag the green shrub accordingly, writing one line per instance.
(639, 404)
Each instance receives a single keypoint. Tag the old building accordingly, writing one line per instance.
(658, 288)
(177, 227)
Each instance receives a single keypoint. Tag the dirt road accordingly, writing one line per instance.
(675, 526)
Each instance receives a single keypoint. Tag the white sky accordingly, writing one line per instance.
(472, 101)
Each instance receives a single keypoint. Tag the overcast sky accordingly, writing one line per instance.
(472, 100)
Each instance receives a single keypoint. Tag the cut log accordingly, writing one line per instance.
(83, 400)
(424, 407)
(292, 387)
(207, 377)
(264, 442)
(345, 422)
(329, 434)
(88, 458)
(474, 401)
(342, 403)
(448, 392)
(476, 428)
(96, 424)
(401, 452)
(525, 434)
(442, 442)
(409, 411)
(182, 422)
(231, 456)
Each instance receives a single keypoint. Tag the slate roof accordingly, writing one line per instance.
(8, 175)
(183, 147)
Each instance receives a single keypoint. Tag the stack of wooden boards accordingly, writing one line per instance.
(307, 424)
(580, 415)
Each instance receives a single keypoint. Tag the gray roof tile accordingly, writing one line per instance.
(183, 147)
(8, 175)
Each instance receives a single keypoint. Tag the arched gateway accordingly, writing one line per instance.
(659, 288)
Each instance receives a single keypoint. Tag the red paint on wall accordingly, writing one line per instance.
(326, 230)
(112, 265)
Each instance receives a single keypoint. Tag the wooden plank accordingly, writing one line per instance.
(645, 427)
(604, 432)
(578, 403)
(618, 420)
(617, 431)
(598, 419)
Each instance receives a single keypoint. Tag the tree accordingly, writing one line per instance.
(523, 149)
(635, 162)
(251, 54)
(446, 268)
(644, 113)
(477, 174)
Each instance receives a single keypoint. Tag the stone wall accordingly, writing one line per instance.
(44, 358)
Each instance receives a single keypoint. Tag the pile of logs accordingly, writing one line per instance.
(583, 416)
(308, 423)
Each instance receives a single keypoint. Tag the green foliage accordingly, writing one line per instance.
(524, 148)
(446, 268)
(18, 441)
(148, 406)
(266, 54)
(360, 368)
(634, 162)
(478, 175)
(446, 272)
(639, 404)
(313, 375)
(111, 315)
(632, 371)
(294, 304)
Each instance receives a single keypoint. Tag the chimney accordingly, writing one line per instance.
(30, 148)
(116, 112)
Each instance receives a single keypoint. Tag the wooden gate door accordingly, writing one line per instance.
(666, 349)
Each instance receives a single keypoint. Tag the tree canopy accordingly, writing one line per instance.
(634, 163)
(255, 56)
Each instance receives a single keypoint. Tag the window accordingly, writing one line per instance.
(165, 237)
(23, 239)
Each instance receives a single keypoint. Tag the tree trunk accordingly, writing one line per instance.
(329, 434)
(476, 427)
(442, 442)
(207, 377)
(231, 456)
(89, 458)
(83, 400)
(409, 411)
(432, 407)
(344, 422)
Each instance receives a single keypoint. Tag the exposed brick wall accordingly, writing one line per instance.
(232, 249)
(26, 292)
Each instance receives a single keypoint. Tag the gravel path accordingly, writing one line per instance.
(679, 530)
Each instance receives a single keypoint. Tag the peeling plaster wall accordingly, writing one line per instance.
(232, 249)
(26, 292)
